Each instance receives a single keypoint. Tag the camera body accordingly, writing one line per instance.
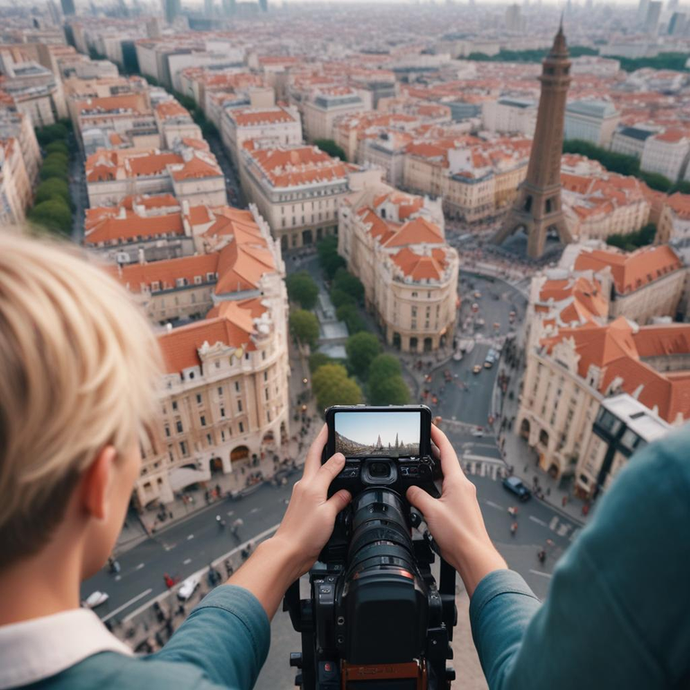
(376, 617)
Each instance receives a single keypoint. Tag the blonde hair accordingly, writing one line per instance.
(79, 365)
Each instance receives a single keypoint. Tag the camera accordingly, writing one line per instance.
(375, 617)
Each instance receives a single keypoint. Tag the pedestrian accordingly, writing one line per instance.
(564, 501)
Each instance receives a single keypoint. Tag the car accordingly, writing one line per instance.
(478, 432)
(516, 486)
(488, 363)
(188, 587)
(96, 599)
(477, 295)
(477, 368)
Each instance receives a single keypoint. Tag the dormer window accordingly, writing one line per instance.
(155, 286)
(180, 282)
(210, 277)
(197, 280)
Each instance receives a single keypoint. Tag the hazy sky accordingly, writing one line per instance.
(365, 427)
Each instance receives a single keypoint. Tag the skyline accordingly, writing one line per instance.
(367, 427)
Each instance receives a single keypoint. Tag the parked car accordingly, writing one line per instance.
(188, 587)
(96, 599)
(516, 486)
(478, 432)
(477, 368)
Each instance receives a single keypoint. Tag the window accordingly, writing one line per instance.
(178, 426)
(210, 277)
(220, 391)
(268, 417)
(203, 420)
(197, 280)
(414, 294)
(183, 448)
(180, 282)
(265, 376)
(237, 386)
(155, 286)
(222, 412)
(222, 435)
(174, 404)
(266, 393)
(167, 430)
(263, 354)
(209, 439)
(198, 399)
(239, 406)
(241, 428)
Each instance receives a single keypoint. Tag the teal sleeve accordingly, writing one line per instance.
(227, 636)
(618, 609)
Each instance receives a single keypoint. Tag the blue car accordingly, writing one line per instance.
(515, 486)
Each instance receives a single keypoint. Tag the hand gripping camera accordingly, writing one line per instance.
(376, 619)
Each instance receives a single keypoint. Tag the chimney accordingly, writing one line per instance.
(142, 259)
(168, 327)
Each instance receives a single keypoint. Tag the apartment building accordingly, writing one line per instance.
(591, 120)
(325, 105)
(570, 374)
(225, 394)
(394, 243)
(175, 124)
(190, 172)
(667, 153)
(598, 203)
(630, 141)
(275, 126)
(16, 190)
(17, 125)
(646, 283)
(297, 190)
(510, 116)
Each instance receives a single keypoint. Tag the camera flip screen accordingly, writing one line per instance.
(388, 434)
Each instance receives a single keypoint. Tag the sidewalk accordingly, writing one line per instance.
(523, 458)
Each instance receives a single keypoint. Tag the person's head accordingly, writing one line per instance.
(78, 375)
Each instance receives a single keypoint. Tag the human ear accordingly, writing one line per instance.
(97, 483)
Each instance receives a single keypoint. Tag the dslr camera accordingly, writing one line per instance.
(375, 618)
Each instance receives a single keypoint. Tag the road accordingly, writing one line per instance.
(232, 183)
(77, 190)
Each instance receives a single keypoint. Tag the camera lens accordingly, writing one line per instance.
(380, 469)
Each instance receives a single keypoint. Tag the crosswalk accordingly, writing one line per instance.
(484, 467)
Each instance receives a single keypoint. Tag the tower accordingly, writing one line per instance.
(68, 8)
(537, 208)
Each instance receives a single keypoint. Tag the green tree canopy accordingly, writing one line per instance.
(352, 285)
(361, 349)
(350, 315)
(57, 147)
(384, 366)
(332, 386)
(329, 259)
(304, 326)
(46, 135)
(53, 214)
(302, 288)
(56, 159)
(683, 187)
(389, 391)
(318, 359)
(52, 188)
(340, 298)
(50, 171)
(633, 240)
(656, 181)
(331, 148)
(615, 162)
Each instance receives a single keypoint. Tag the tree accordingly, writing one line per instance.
(58, 146)
(50, 133)
(350, 284)
(631, 241)
(304, 326)
(384, 366)
(57, 159)
(53, 188)
(389, 391)
(53, 214)
(683, 187)
(318, 359)
(302, 288)
(361, 349)
(50, 171)
(331, 148)
(350, 315)
(329, 259)
(332, 386)
(340, 298)
(656, 181)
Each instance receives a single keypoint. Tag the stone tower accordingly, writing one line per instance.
(537, 208)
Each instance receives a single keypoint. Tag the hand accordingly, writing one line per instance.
(455, 520)
(310, 516)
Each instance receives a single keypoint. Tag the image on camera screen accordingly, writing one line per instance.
(389, 434)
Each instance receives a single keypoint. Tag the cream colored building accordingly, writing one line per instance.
(325, 106)
(276, 126)
(17, 125)
(16, 190)
(297, 189)
(394, 243)
(224, 398)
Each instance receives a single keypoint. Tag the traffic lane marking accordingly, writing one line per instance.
(538, 521)
(539, 572)
(126, 604)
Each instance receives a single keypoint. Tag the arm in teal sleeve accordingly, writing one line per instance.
(227, 635)
(618, 610)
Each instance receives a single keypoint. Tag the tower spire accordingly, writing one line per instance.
(537, 208)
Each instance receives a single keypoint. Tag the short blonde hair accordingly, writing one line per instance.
(79, 366)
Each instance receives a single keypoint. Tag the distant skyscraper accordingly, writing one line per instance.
(55, 14)
(208, 8)
(514, 20)
(651, 24)
(537, 209)
(228, 7)
(263, 4)
(678, 24)
(68, 8)
(672, 5)
(171, 10)
(642, 9)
